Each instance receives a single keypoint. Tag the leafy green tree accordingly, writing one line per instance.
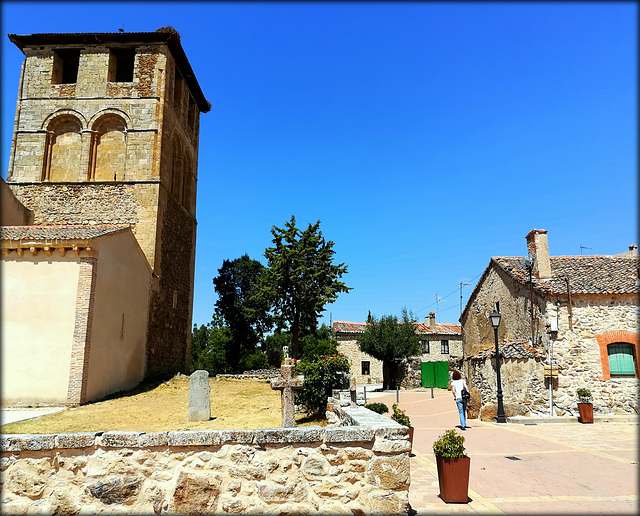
(321, 376)
(208, 347)
(390, 341)
(273, 347)
(256, 360)
(300, 279)
(319, 343)
(247, 319)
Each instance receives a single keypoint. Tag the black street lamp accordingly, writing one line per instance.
(495, 322)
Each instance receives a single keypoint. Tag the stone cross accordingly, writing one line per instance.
(286, 384)
(199, 396)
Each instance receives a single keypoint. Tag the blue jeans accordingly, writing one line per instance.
(460, 404)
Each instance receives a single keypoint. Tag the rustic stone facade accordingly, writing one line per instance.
(117, 143)
(362, 469)
(444, 345)
(593, 301)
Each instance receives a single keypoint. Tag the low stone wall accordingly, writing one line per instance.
(357, 469)
(258, 374)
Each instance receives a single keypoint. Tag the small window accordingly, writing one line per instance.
(444, 347)
(621, 361)
(65, 66)
(425, 347)
(366, 367)
(121, 64)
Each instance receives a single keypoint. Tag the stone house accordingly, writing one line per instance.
(98, 214)
(441, 343)
(592, 302)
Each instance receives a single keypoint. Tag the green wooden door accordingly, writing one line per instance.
(442, 374)
(436, 372)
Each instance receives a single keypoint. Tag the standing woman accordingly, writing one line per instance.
(456, 386)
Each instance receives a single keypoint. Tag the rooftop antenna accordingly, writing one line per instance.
(584, 247)
(437, 307)
(462, 283)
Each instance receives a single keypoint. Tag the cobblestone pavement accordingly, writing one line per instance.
(559, 468)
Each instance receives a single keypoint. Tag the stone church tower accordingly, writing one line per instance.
(106, 132)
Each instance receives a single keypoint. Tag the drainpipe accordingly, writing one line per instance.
(566, 279)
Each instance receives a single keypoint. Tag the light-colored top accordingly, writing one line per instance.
(456, 387)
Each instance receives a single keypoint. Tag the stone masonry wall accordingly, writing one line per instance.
(515, 309)
(134, 203)
(170, 303)
(410, 370)
(577, 353)
(515, 373)
(360, 469)
(350, 348)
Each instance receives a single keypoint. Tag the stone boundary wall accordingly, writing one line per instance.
(258, 374)
(361, 468)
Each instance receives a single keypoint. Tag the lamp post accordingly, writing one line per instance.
(495, 322)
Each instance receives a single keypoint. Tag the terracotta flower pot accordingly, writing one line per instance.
(586, 412)
(453, 476)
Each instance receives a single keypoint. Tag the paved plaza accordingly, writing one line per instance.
(543, 468)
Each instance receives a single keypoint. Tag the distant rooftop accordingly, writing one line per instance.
(421, 328)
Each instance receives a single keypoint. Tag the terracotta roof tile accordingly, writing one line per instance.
(52, 233)
(510, 349)
(421, 328)
(587, 274)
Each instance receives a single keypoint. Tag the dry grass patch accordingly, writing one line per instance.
(235, 405)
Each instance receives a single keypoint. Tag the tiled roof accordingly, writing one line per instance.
(510, 349)
(421, 328)
(348, 327)
(587, 274)
(53, 233)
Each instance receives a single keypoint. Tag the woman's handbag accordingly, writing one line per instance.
(465, 394)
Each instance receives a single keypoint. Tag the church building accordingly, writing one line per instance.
(98, 215)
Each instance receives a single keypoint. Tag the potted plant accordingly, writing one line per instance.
(585, 405)
(453, 467)
(400, 417)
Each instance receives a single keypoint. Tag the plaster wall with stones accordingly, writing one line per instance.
(362, 469)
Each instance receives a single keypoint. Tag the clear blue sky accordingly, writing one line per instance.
(427, 137)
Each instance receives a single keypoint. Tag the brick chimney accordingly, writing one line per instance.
(538, 247)
(432, 321)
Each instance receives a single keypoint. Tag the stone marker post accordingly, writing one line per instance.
(199, 400)
(286, 384)
(352, 389)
